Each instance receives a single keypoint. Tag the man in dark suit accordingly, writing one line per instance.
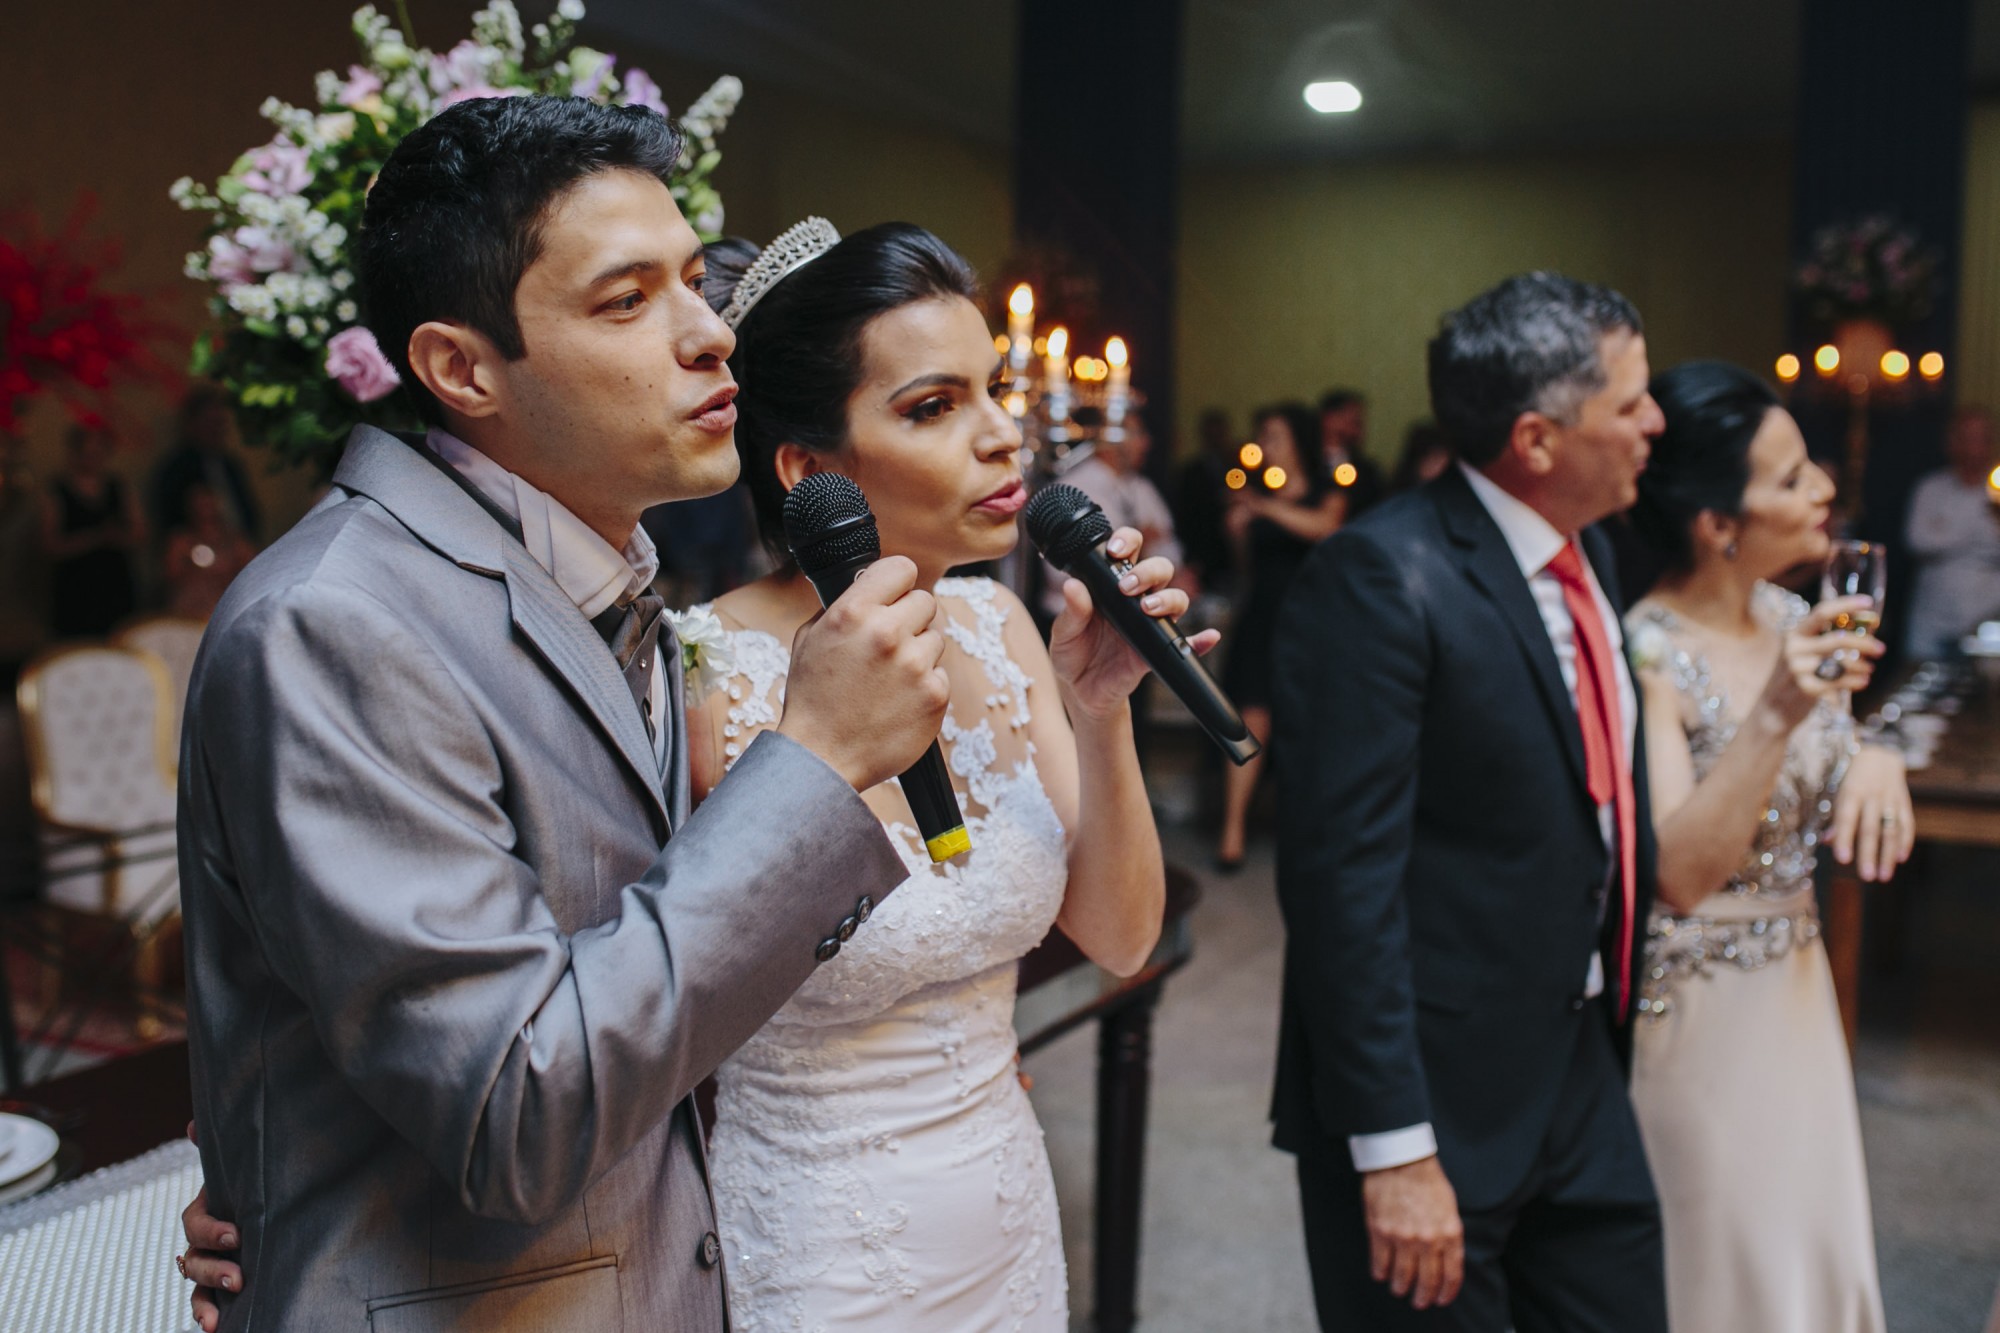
(1465, 850)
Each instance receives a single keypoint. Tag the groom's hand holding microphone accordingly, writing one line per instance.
(866, 692)
(1416, 1242)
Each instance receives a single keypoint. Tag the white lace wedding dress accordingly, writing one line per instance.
(875, 1161)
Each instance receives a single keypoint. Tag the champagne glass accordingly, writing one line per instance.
(1856, 569)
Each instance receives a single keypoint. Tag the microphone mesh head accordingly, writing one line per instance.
(828, 523)
(1063, 523)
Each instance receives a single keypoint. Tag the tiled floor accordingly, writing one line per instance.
(1222, 1248)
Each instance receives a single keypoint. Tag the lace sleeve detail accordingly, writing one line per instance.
(753, 673)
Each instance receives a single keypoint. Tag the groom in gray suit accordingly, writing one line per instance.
(457, 951)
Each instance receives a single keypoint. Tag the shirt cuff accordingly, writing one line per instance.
(1593, 979)
(1395, 1147)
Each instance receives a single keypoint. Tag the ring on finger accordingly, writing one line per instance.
(181, 1262)
(1829, 668)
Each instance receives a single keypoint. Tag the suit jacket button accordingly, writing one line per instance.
(1576, 1002)
(847, 928)
(828, 947)
(711, 1250)
(865, 908)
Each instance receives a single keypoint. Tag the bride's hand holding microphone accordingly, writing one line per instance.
(1096, 668)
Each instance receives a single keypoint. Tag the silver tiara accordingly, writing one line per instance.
(793, 250)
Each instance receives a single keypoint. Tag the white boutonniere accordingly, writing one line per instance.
(1648, 646)
(705, 657)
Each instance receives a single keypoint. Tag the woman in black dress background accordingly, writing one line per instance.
(1272, 528)
(91, 528)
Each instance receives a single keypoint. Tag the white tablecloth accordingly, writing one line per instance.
(97, 1255)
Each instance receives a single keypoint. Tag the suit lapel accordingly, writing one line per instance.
(548, 619)
(1490, 566)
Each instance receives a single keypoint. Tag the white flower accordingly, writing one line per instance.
(347, 312)
(196, 265)
(706, 658)
(296, 327)
(315, 291)
(332, 129)
(570, 9)
(181, 191)
(1648, 645)
(327, 86)
(709, 221)
(369, 25)
(714, 107)
(499, 25)
(321, 326)
(341, 280)
(252, 301)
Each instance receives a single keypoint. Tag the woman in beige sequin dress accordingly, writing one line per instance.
(1741, 1077)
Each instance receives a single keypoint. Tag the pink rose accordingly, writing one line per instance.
(228, 262)
(356, 363)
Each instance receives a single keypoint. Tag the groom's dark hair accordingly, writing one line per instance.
(456, 216)
(1528, 345)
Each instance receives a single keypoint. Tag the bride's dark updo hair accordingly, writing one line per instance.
(798, 351)
(1702, 460)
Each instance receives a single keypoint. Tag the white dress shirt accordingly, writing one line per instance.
(1534, 543)
(587, 568)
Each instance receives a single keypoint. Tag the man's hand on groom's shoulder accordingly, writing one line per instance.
(866, 693)
(1416, 1242)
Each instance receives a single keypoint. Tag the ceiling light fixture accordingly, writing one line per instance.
(1333, 97)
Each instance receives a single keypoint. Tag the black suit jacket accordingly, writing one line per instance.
(1440, 863)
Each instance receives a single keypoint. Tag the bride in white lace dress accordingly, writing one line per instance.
(875, 1161)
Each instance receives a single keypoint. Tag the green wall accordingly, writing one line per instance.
(1296, 279)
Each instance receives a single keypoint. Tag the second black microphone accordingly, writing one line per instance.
(831, 533)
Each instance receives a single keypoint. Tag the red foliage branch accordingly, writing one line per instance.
(60, 334)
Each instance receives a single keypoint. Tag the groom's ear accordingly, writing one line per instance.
(459, 365)
(1533, 443)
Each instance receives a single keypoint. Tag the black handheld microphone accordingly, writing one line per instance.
(1070, 531)
(831, 533)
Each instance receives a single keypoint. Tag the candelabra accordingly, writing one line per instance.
(1066, 406)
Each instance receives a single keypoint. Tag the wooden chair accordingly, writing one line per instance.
(174, 640)
(98, 722)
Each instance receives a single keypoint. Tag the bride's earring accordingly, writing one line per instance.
(1729, 551)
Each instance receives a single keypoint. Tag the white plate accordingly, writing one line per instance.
(8, 1135)
(34, 1147)
(33, 1183)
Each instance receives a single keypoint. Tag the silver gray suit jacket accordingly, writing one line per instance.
(457, 954)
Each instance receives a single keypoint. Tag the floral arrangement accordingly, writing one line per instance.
(60, 333)
(1870, 269)
(291, 352)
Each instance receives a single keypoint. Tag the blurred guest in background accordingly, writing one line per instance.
(1740, 1070)
(204, 428)
(1198, 500)
(1426, 453)
(1288, 507)
(1343, 442)
(1954, 529)
(1114, 476)
(203, 556)
(91, 528)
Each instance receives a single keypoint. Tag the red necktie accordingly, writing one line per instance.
(1606, 771)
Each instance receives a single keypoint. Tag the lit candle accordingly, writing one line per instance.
(1118, 396)
(1020, 328)
(1055, 374)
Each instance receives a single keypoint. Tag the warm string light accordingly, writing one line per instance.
(1251, 455)
(1235, 479)
(1346, 474)
(1931, 366)
(1274, 478)
(1788, 368)
(1827, 359)
(1895, 365)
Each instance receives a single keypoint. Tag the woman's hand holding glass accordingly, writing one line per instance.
(1097, 669)
(1820, 662)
